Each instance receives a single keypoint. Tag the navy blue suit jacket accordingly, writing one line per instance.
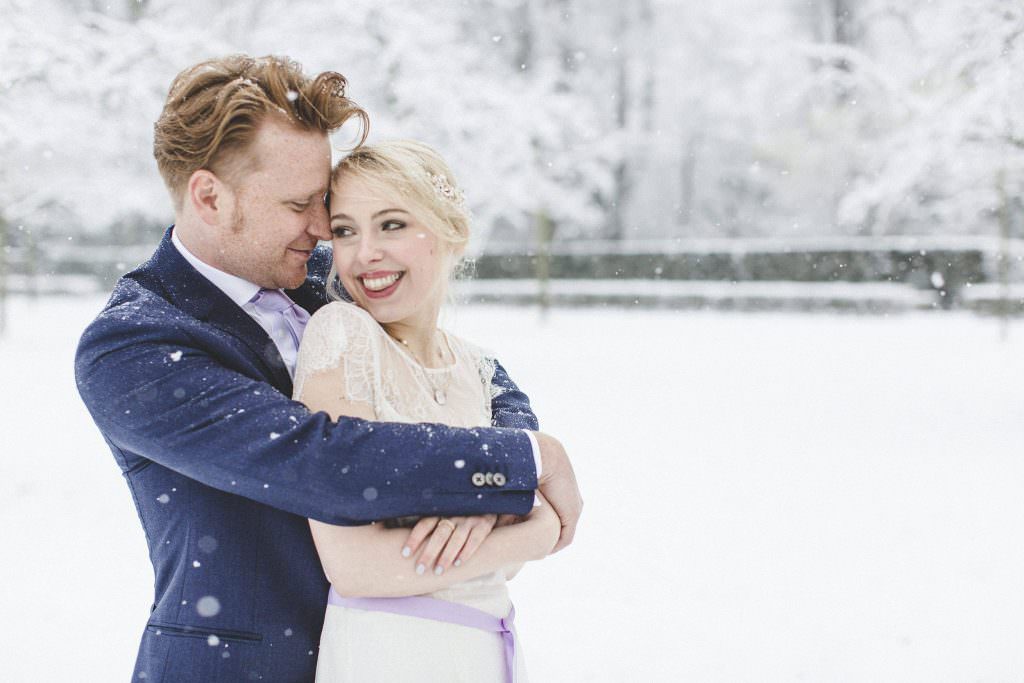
(193, 399)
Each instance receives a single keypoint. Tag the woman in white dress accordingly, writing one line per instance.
(399, 227)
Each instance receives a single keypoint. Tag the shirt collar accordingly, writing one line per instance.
(238, 290)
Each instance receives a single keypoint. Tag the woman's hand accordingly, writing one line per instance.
(446, 541)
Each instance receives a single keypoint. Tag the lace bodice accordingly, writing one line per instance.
(382, 373)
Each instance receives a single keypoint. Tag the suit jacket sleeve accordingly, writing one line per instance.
(159, 394)
(510, 407)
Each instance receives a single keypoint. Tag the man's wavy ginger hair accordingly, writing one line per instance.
(214, 108)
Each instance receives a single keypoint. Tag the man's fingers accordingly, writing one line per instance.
(565, 538)
(418, 534)
(564, 497)
(559, 487)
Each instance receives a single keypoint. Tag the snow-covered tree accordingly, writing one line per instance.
(657, 118)
(953, 152)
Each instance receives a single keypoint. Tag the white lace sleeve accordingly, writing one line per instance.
(341, 333)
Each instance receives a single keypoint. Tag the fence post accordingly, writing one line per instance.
(1003, 257)
(543, 263)
(3, 274)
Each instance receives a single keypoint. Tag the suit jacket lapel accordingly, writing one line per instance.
(190, 291)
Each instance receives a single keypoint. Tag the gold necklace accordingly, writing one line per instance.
(440, 391)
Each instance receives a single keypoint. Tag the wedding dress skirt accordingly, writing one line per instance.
(368, 646)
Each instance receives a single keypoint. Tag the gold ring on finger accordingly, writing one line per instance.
(447, 522)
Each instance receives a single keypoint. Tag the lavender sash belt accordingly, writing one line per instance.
(440, 610)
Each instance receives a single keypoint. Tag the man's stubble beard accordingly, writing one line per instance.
(262, 274)
(244, 266)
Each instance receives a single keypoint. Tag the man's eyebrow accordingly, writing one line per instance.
(382, 211)
(310, 197)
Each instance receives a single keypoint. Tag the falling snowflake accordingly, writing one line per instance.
(208, 606)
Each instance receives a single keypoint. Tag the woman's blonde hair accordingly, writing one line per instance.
(214, 109)
(416, 173)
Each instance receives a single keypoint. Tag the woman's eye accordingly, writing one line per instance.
(341, 231)
(392, 225)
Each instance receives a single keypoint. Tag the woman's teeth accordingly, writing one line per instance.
(378, 283)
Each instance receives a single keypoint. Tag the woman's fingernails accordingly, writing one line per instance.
(438, 570)
(406, 551)
(458, 563)
(420, 568)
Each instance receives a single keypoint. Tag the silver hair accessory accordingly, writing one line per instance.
(445, 190)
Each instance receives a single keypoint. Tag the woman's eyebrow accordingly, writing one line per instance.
(383, 211)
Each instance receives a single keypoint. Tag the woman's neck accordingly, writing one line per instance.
(422, 341)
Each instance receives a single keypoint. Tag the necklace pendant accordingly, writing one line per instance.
(440, 397)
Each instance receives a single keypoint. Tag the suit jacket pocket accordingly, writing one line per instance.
(187, 631)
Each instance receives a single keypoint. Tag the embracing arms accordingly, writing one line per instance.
(163, 387)
(373, 560)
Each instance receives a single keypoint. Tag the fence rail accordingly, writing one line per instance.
(842, 273)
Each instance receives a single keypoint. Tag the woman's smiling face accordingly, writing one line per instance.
(388, 260)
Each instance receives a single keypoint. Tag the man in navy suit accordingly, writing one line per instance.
(188, 376)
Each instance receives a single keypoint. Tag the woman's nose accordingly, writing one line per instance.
(370, 249)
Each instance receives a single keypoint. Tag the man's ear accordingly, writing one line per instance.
(209, 197)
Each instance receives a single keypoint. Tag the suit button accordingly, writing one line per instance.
(479, 479)
(489, 478)
(499, 479)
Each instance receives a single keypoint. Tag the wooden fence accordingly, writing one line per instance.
(861, 274)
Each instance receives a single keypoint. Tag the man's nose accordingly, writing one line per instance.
(319, 224)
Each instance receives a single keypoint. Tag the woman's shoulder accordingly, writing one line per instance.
(339, 328)
(339, 336)
(343, 316)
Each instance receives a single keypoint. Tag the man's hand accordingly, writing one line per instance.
(446, 541)
(558, 485)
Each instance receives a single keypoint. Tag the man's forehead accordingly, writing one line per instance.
(291, 160)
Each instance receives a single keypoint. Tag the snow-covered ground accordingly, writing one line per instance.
(769, 498)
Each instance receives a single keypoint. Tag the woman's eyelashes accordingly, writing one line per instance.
(341, 231)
